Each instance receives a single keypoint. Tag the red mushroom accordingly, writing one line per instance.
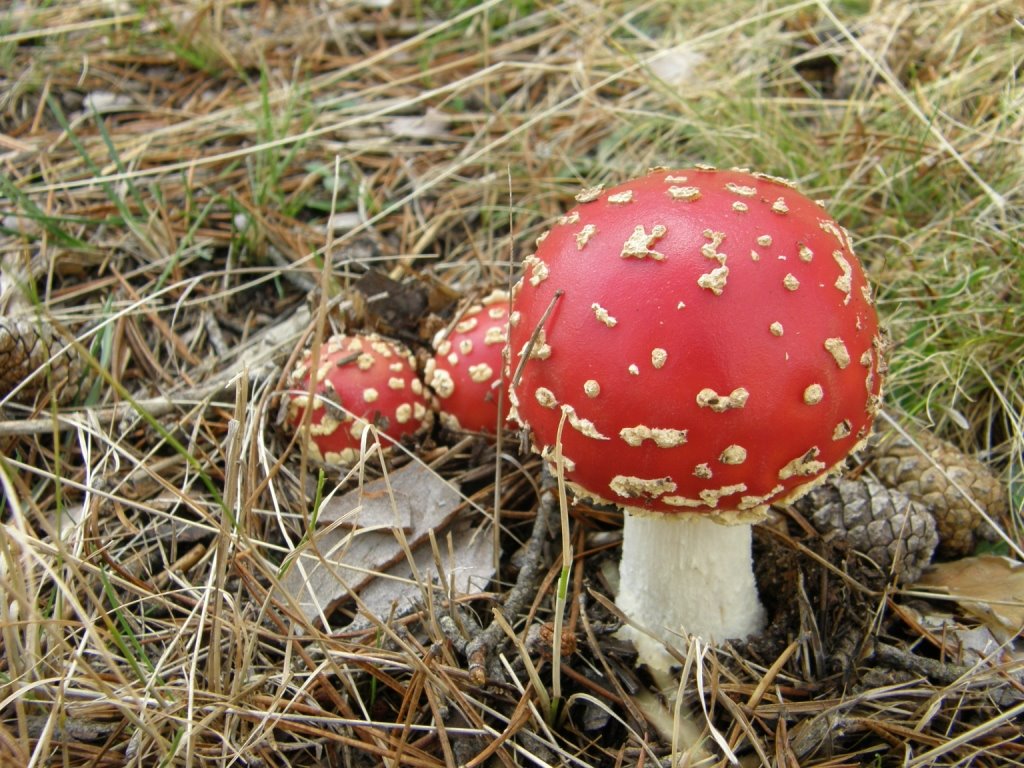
(708, 341)
(465, 371)
(359, 379)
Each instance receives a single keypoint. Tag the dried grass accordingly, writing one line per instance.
(192, 188)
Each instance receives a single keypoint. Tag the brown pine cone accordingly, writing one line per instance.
(27, 345)
(897, 463)
(895, 532)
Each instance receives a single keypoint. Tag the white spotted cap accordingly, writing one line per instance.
(701, 356)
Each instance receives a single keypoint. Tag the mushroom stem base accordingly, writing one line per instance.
(687, 574)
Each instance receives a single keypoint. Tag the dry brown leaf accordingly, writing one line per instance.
(366, 533)
(988, 587)
(467, 565)
(404, 305)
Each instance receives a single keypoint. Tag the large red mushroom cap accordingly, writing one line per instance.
(358, 380)
(708, 337)
(465, 372)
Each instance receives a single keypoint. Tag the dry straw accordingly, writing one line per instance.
(190, 192)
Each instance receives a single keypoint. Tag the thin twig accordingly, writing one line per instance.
(946, 673)
(154, 406)
(482, 646)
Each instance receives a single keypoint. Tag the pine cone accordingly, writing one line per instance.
(26, 347)
(897, 463)
(894, 531)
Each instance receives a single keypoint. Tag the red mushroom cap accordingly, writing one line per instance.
(465, 372)
(714, 347)
(359, 379)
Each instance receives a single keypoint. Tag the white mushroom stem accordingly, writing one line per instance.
(686, 574)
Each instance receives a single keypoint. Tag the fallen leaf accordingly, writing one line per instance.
(365, 536)
(676, 65)
(432, 124)
(344, 221)
(403, 307)
(103, 102)
(466, 565)
(989, 587)
(967, 645)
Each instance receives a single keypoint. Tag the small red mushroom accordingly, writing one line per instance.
(465, 372)
(709, 344)
(359, 379)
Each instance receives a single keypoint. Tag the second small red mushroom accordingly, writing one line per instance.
(465, 372)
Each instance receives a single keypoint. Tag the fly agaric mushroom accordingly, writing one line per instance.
(465, 371)
(707, 343)
(358, 379)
